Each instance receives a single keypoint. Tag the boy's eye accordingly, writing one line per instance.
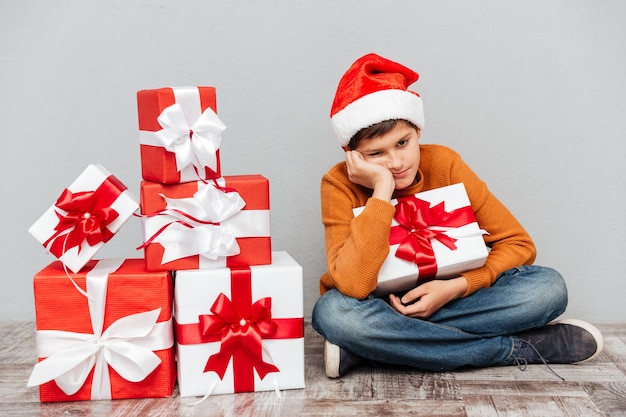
(377, 153)
(403, 142)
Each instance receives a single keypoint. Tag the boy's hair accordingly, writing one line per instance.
(375, 130)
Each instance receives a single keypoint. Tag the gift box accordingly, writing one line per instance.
(85, 216)
(240, 329)
(434, 234)
(179, 134)
(213, 224)
(104, 333)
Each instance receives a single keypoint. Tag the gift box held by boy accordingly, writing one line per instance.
(502, 313)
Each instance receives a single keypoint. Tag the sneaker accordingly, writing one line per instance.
(338, 361)
(564, 341)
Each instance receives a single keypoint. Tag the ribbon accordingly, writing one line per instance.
(84, 217)
(418, 224)
(127, 345)
(241, 333)
(193, 145)
(240, 326)
(191, 226)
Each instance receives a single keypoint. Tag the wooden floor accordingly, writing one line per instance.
(594, 389)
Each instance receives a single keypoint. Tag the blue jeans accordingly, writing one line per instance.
(473, 331)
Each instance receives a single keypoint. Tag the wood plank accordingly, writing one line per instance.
(479, 406)
(609, 397)
(614, 352)
(377, 408)
(521, 388)
(409, 384)
(612, 329)
(547, 406)
(17, 344)
(592, 371)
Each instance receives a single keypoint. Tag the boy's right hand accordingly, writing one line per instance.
(370, 175)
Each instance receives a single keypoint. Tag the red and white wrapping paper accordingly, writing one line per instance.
(110, 337)
(86, 216)
(240, 329)
(214, 224)
(179, 134)
(433, 234)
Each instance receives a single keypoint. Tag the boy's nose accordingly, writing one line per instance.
(394, 162)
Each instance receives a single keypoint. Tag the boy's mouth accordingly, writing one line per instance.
(400, 174)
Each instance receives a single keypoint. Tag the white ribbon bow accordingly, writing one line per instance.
(195, 145)
(208, 205)
(127, 345)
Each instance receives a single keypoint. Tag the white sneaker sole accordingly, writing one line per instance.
(597, 335)
(332, 355)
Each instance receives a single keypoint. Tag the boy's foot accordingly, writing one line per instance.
(338, 361)
(563, 341)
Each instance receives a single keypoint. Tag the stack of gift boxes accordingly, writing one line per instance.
(106, 329)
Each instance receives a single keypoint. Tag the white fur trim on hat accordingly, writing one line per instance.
(375, 108)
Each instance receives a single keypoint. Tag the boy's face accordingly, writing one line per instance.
(397, 150)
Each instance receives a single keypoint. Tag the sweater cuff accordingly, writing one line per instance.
(475, 281)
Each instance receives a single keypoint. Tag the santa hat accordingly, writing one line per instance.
(374, 89)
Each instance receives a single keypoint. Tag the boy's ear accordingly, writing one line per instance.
(346, 148)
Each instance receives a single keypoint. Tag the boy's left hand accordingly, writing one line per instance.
(430, 296)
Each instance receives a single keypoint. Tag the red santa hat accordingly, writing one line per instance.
(374, 89)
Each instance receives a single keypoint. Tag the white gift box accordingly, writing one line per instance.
(470, 252)
(195, 295)
(104, 192)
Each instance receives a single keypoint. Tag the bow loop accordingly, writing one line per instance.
(125, 346)
(82, 217)
(194, 143)
(241, 334)
(419, 223)
(219, 204)
(193, 224)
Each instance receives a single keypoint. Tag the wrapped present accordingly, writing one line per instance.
(434, 234)
(85, 216)
(213, 224)
(179, 134)
(105, 333)
(240, 329)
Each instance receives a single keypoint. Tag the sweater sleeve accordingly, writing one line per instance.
(356, 247)
(509, 242)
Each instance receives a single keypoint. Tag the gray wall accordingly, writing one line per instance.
(531, 93)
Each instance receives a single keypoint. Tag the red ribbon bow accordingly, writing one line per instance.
(241, 335)
(88, 213)
(416, 219)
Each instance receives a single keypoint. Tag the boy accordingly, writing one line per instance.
(499, 314)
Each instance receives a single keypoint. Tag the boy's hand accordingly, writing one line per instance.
(430, 296)
(370, 175)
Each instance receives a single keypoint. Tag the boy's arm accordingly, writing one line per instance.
(356, 247)
(370, 175)
(510, 243)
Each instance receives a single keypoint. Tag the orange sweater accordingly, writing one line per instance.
(357, 246)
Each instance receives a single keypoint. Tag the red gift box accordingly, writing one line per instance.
(179, 134)
(214, 224)
(126, 321)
